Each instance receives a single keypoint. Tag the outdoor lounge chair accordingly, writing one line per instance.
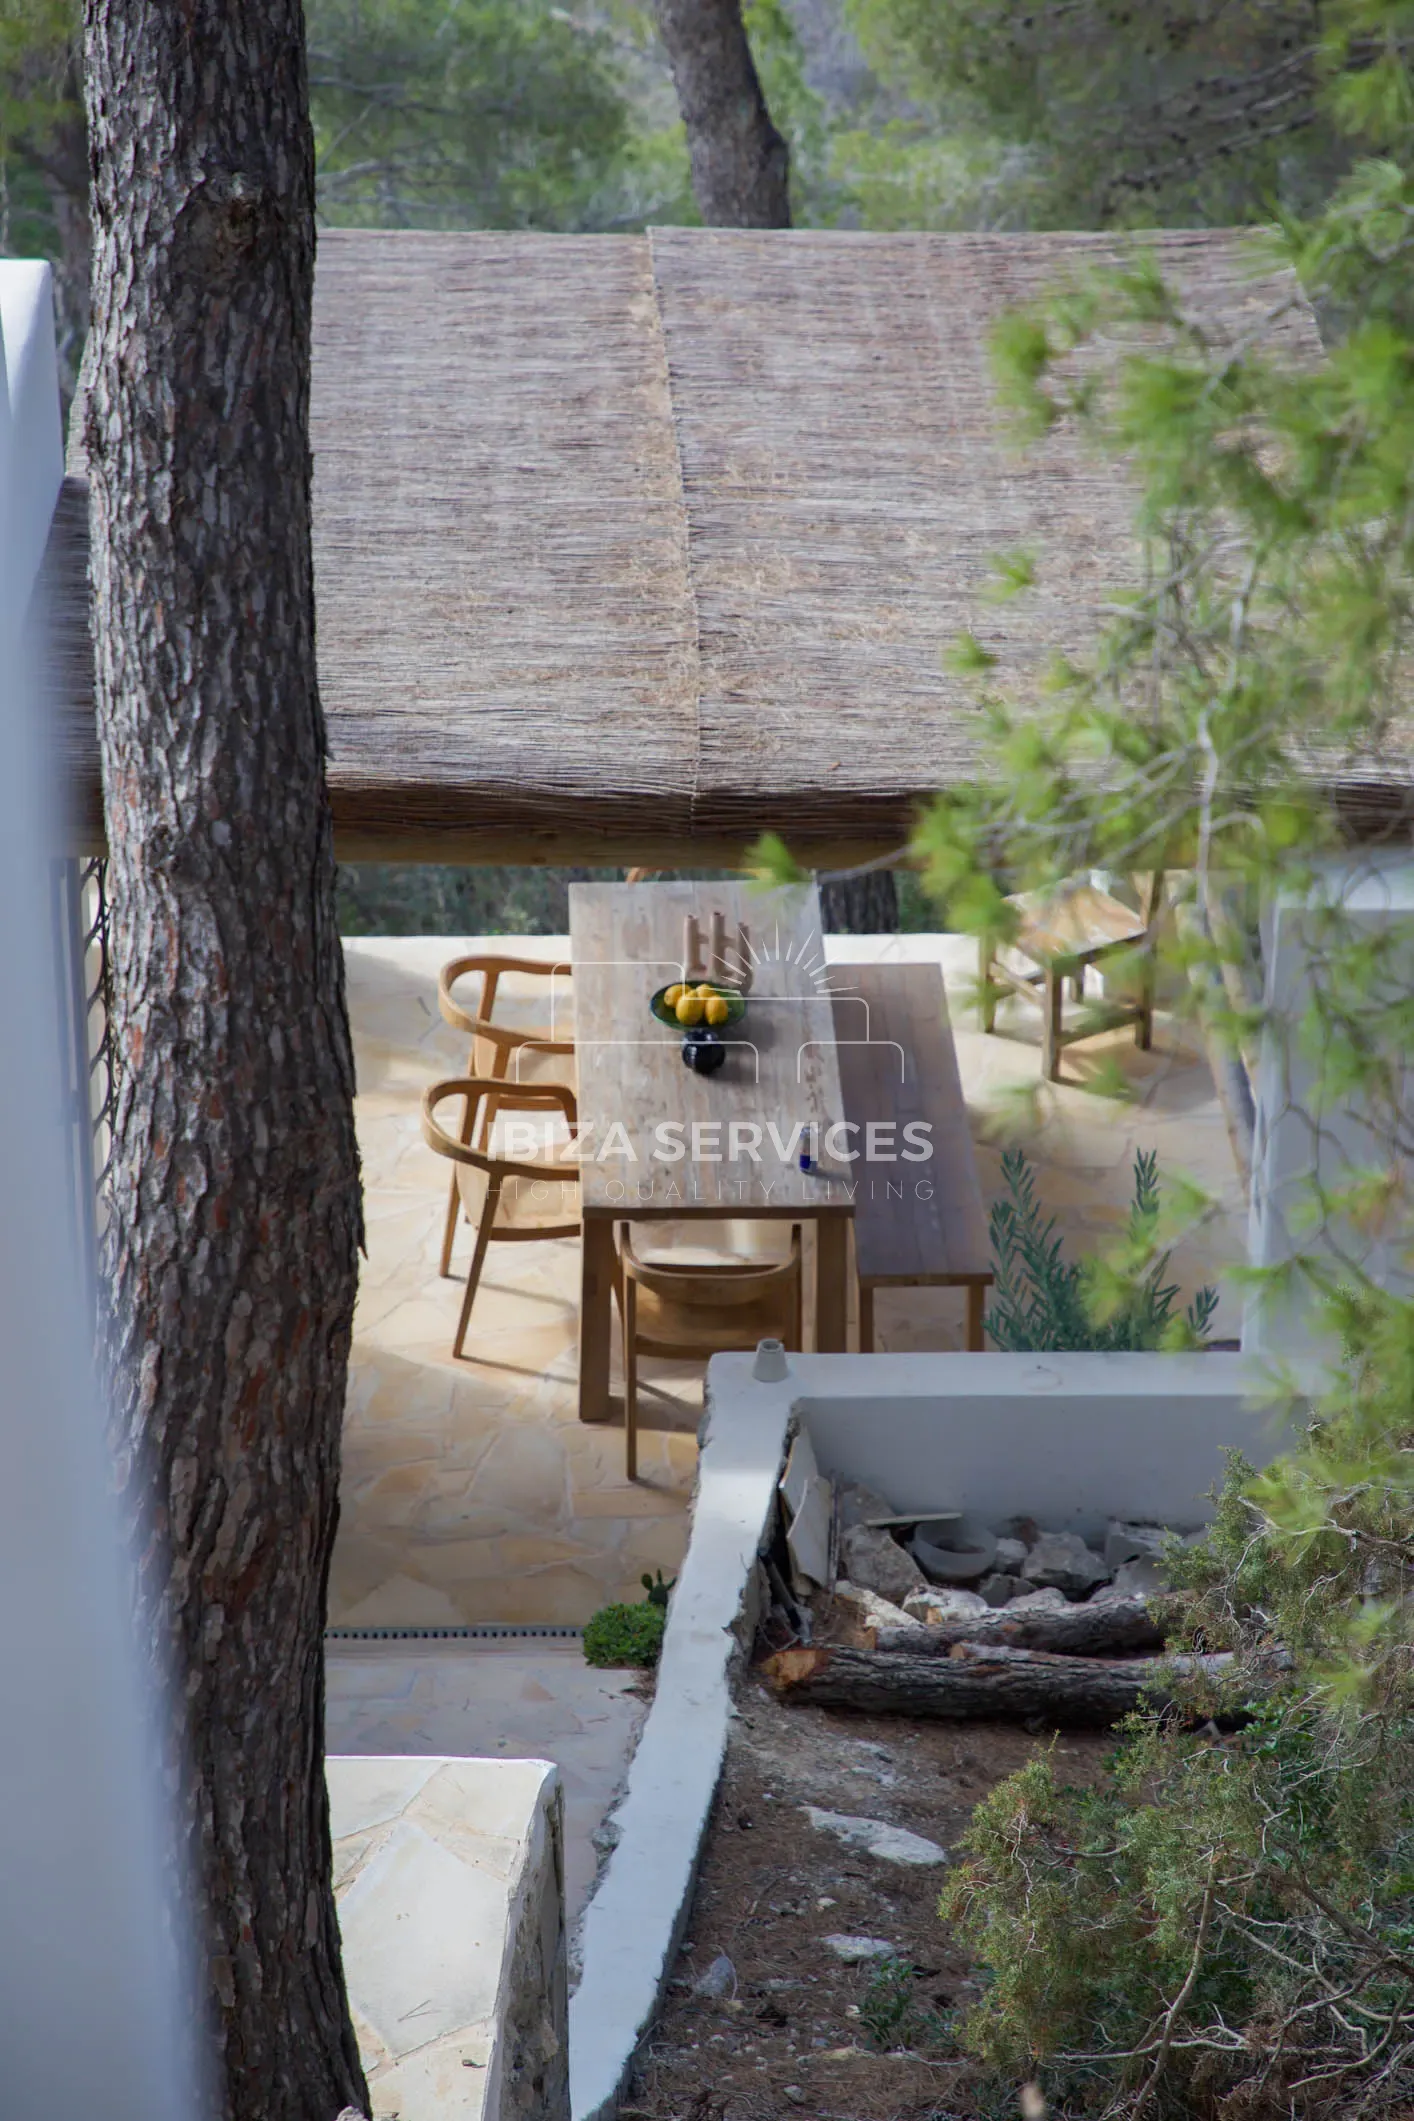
(513, 1200)
(1062, 934)
(685, 1309)
(498, 1050)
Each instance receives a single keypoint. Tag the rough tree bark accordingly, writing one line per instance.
(1124, 1627)
(231, 1251)
(740, 163)
(974, 1681)
(860, 905)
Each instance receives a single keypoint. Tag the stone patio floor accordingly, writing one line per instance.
(471, 1492)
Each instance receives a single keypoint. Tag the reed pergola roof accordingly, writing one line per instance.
(627, 548)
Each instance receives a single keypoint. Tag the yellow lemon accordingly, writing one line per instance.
(689, 1009)
(717, 1010)
(673, 995)
(707, 993)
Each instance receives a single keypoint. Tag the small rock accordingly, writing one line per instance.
(1061, 1561)
(794, 2093)
(1132, 1542)
(870, 1610)
(1010, 1555)
(1000, 1590)
(1139, 1578)
(935, 1605)
(877, 1563)
(1046, 1601)
(892, 1844)
(853, 1950)
(605, 1838)
(719, 1979)
(824, 1901)
(858, 1504)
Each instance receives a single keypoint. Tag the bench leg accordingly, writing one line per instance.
(976, 1306)
(1053, 1020)
(987, 991)
(866, 1318)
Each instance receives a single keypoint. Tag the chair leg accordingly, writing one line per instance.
(1144, 1028)
(629, 1312)
(988, 991)
(449, 1230)
(976, 1303)
(866, 1318)
(478, 1261)
(1051, 1047)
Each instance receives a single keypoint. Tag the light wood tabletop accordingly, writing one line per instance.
(660, 1142)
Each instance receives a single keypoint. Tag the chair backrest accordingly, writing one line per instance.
(728, 1286)
(522, 1097)
(503, 1036)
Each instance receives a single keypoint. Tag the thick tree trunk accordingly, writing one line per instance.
(1124, 1627)
(974, 1683)
(740, 163)
(231, 1252)
(860, 905)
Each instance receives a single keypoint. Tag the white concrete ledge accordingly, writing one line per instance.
(633, 1925)
(449, 1876)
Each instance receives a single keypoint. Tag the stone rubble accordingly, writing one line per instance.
(1061, 1561)
(1034, 1568)
(878, 1563)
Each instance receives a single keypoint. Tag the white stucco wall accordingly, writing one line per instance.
(31, 437)
(1376, 897)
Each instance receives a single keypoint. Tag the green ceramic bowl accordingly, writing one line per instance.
(736, 1004)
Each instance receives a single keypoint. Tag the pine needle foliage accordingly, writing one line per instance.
(1045, 1301)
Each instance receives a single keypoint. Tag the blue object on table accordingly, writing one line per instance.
(703, 1051)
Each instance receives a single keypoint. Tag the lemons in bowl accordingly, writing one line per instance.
(690, 1006)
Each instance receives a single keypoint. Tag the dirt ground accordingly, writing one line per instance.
(798, 2032)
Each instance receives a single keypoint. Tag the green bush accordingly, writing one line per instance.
(630, 1634)
(1044, 1300)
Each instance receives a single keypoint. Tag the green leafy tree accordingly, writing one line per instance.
(481, 114)
(1227, 1925)
(1100, 111)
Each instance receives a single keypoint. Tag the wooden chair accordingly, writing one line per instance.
(683, 1310)
(496, 1191)
(498, 1050)
(1062, 933)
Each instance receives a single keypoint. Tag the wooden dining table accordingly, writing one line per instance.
(661, 1143)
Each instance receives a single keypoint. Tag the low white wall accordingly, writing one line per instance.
(1069, 1440)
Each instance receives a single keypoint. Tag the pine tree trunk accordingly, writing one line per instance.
(861, 905)
(231, 1251)
(740, 163)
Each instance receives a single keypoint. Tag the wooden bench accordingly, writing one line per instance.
(916, 1225)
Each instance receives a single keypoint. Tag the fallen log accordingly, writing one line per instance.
(1125, 1628)
(997, 1683)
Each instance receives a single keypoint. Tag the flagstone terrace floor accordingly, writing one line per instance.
(471, 1492)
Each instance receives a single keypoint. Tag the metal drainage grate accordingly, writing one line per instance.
(535, 1628)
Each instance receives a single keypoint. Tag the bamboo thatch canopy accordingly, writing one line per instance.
(629, 547)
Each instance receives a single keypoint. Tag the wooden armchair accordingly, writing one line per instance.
(682, 1310)
(498, 1050)
(1062, 934)
(509, 1199)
